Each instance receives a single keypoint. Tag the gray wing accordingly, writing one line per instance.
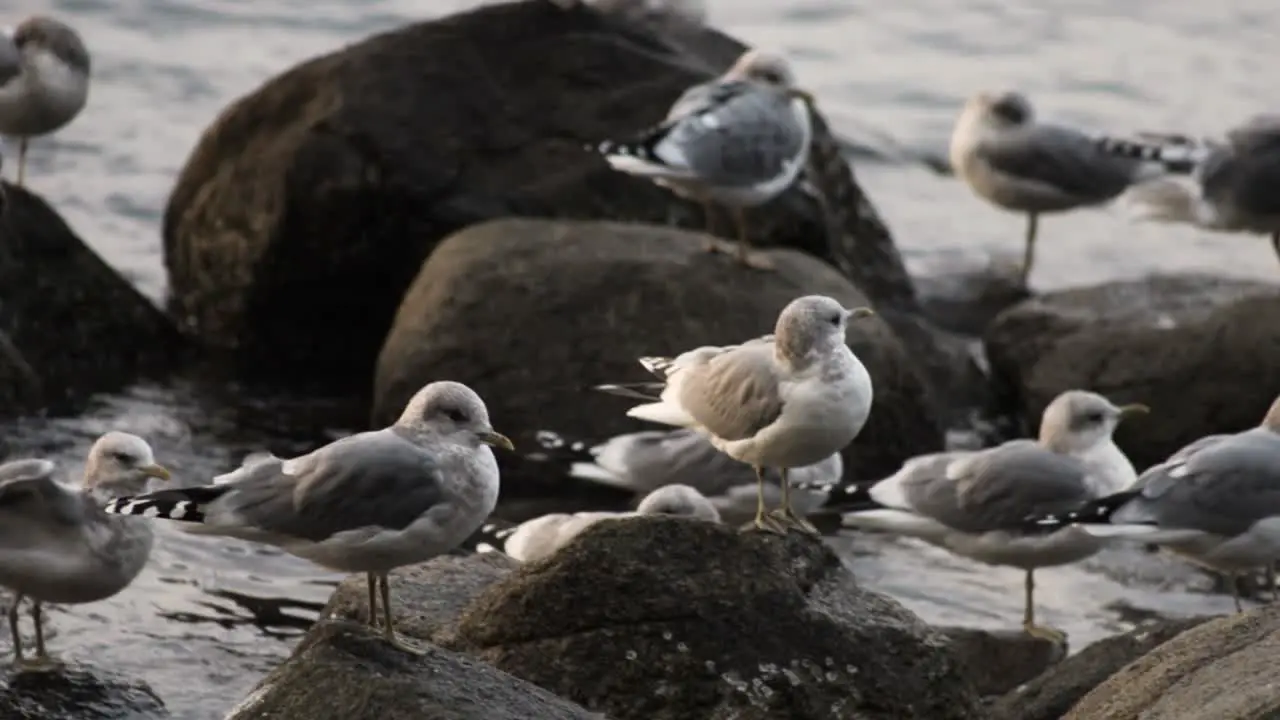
(733, 394)
(737, 134)
(1061, 158)
(998, 488)
(369, 480)
(656, 458)
(1221, 489)
(10, 59)
(30, 494)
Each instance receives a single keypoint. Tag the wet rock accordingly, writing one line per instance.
(675, 619)
(1195, 348)
(533, 313)
(75, 693)
(308, 207)
(1000, 661)
(1223, 669)
(1052, 694)
(345, 671)
(966, 300)
(70, 325)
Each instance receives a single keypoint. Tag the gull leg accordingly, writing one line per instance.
(787, 515)
(13, 629)
(745, 255)
(372, 581)
(389, 631)
(1234, 579)
(1270, 574)
(1029, 250)
(763, 521)
(22, 160)
(1275, 243)
(1029, 614)
(711, 243)
(43, 660)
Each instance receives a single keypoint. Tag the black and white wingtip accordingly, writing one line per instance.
(491, 537)
(1177, 153)
(1094, 512)
(181, 504)
(648, 392)
(842, 498)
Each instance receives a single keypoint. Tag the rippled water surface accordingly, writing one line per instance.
(209, 617)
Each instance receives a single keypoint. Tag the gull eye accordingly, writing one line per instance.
(121, 457)
(835, 320)
(455, 415)
(1094, 418)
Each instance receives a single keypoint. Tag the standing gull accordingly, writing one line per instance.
(1022, 165)
(540, 537)
(1216, 502)
(56, 543)
(44, 81)
(781, 401)
(369, 502)
(641, 462)
(1235, 184)
(975, 503)
(739, 140)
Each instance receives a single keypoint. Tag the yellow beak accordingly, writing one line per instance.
(497, 439)
(861, 312)
(804, 95)
(1133, 409)
(156, 471)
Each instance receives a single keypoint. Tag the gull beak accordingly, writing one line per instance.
(496, 439)
(1133, 409)
(156, 471)
(804, 95)
(860, 312)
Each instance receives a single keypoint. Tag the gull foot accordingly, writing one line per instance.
(757, 261)
(1053, 635)
(713, 244)
(403, 645)
(40, 663)
(791, 519)
(765, 523)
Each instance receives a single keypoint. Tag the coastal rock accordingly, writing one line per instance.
(999, 661)
(533, 313)
(75, 694)
(1224, 669)
(308, 207)
(1050, 695)
(673, 619)
(1197, 349)
(70, 325)
(345, 671)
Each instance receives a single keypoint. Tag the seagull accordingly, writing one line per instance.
(1016, 163)
(44, 81)
(1215, 502)
(739, 140)
(1235, 182)
(542, 536)
(368, 502)
(56, 543)
(780, 401)
(974, 503)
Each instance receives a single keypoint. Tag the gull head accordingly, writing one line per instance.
(1271, 421)
(1077, 421)
(40, 35)
(813, 322)
(681, 500)
(121, 464)
(1001, 110)
(764, 67)
(451, 411)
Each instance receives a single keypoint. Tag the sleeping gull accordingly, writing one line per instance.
(56, 543)
(1215, 502)
(781, 401)
(739, 140)
(1019, 164)
(44, 80)
(540, 537)
(974, 503)
(1236, 183)
(641, 462)
(369, 502)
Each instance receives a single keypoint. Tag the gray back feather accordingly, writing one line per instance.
(370, 480)
(1062, 158)
(733, 394)
(28, 490)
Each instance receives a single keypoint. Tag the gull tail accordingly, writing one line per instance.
(491, 537)
(641, 155)
(184, 504)
(1176, 153)
(1093, 515)
(649, 392)
(660, 366)
(853, 497)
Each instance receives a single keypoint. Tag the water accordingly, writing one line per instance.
(208, 618)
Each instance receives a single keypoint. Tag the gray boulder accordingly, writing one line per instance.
(1197, 349)
(76, 693)
(309, 206)
(533, 313)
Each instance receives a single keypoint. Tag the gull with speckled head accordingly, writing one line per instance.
(369, 502)
(1016, 163)
(1234, 183)
(1215, 502)
(975, 503)
(780, 401)
(44, 80)
(540, 537)
(56, 543)
(740, 141)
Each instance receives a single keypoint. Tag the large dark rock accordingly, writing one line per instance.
(1198, 349)
(1224, 669)
(1052, 694)
(308, 207)
(345, 671)
(533, 313)
(75, 693)
(671, 619)
(999, 661)
(70, 325)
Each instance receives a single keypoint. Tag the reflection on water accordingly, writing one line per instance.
(890, 75)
